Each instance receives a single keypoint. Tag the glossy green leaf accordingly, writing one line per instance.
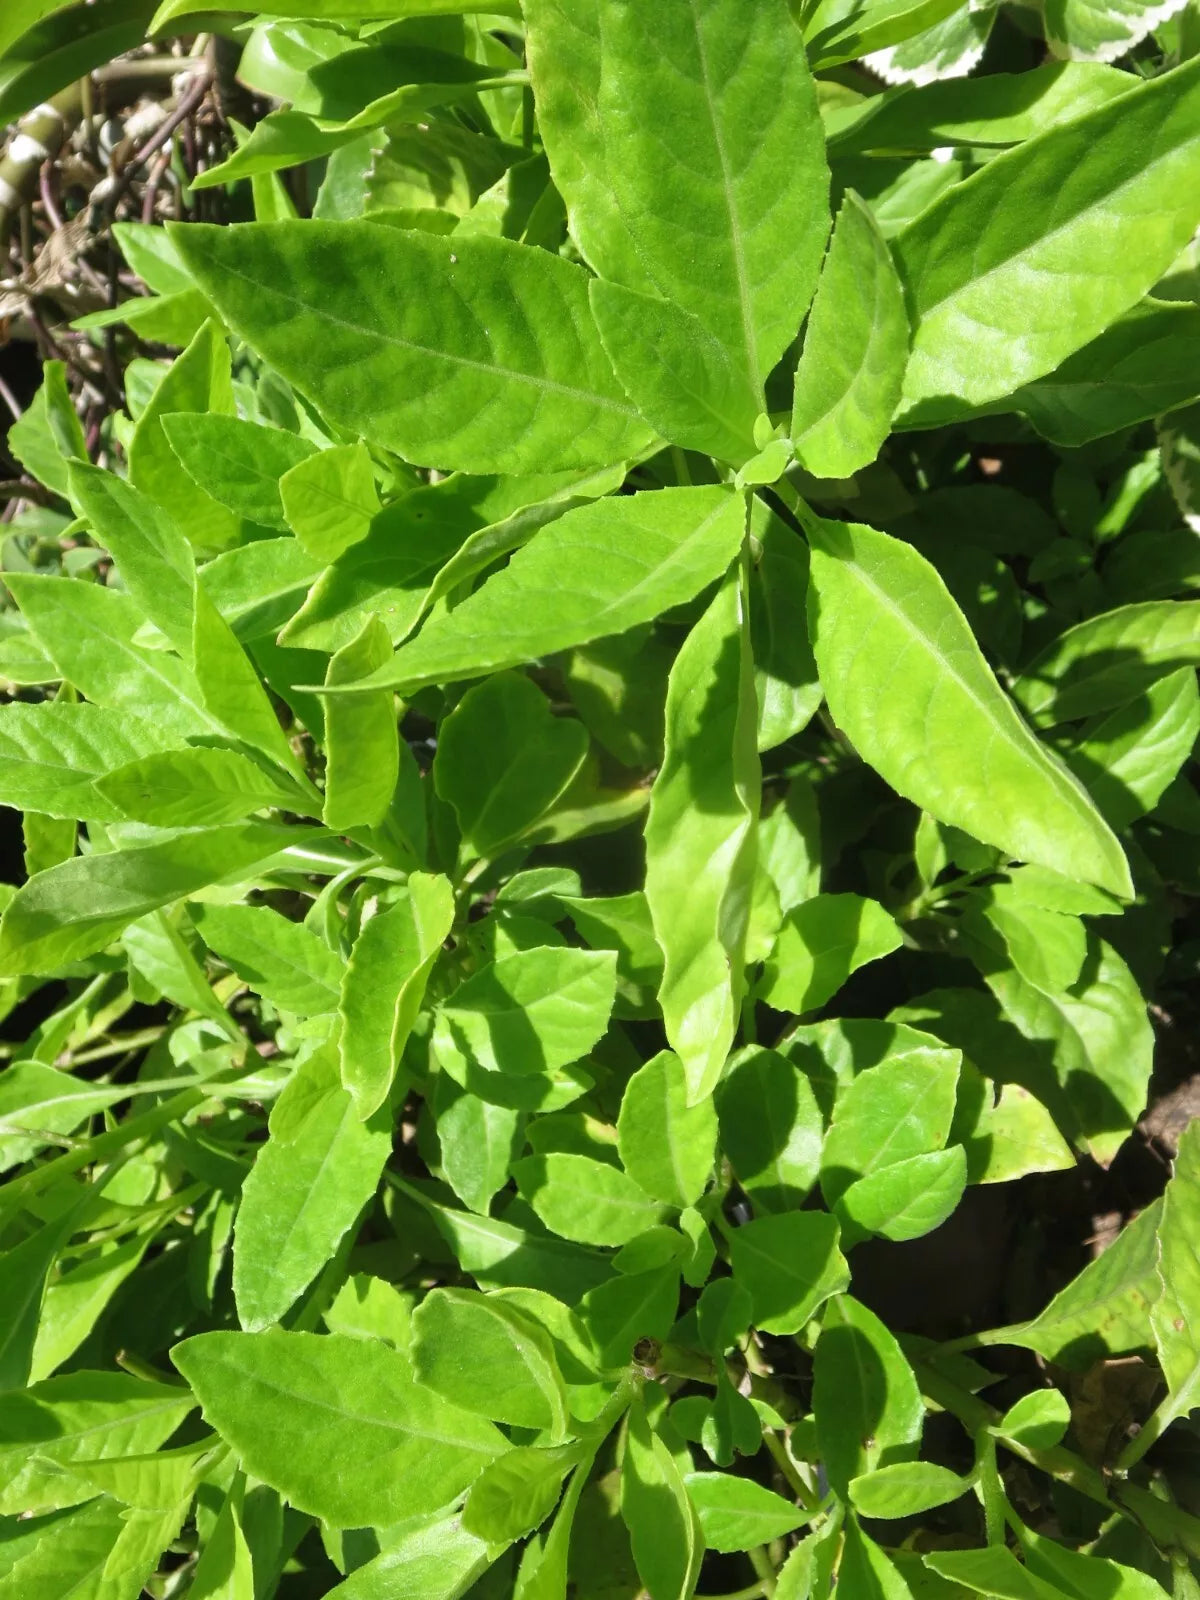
(80, 1416)
(585, 1200)
(52, 753)
(1128, 758)
(47, 436)
(906, 1199)
(683, 379)
(515, 1494)
(485, 328)
(790, 1264)
(477, 1142)
(822, 941)
(1109, 660)
(362, 753)
(855, 349)
(76, 908)
(238, 463)
(622, 923)
(880, 612)
(309, 1184)
(1038, 1420)
(384, 985)
(437, 1560)
(69, 1555)
(1096, 1046)
(503, 759)
(867, 1405)
(700, 837)
(1002, 289)
(483, 1355)
(905, 1489)
(198, 381)
(771, 1128)
(225, 1570)
(626, 1310)
(1105, 1310)
(626, 560)
(89, 633)
(281, 960)
(337, 1425)
(785, 674)
(711, 154)
(665, 1533)
(737, 1514)
(894, 1111)
(197, 788)
(666, 1145)
(529, 1013)
(1172, 1314)
(329, 499)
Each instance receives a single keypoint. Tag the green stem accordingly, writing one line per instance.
(119, 1046)
(1169, 1526)
(760, 1560)
(749, 1593)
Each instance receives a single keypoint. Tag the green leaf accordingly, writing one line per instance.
(525, 1016)
(855, 350)
(1128, 758)
(664, 1531)
(281, 960)
(1141, 366)
(198, 381)
(790, 1264)
(984, 253)
(1093, 1046)
(1103, 1311)
(309, 1183)
(51, 753)
(908, 1198)
(1102, 30)
(89, 633)
(900, 1108)
(785, 674)
(822, 941)
(711, 152)
(238, 463)
(76, 908)
(1038, 1420)
(47, 435)
(588, 1201)
(622, 923)
(514, 1495)
(700, 837)
(82, 1416)
(771, 1129)
(1003, 108)
(384, 986)
(1109, 660)
(477, 1142)
(737, 1514)
(683, 380)
(838, 31)
(485, 1356)
(485, 328)
(627, 1309)
(502, 761)
(905, 1489)
(362, 751)
(880, 614)
(439, 1560)
(197, 788)
(666, 1145)
(336, 1425)
(1077, 1572)
(1173, 1313)
(329, 499)
(625, 560)
(225, 1570)
(68, 1556)
(866, 1402)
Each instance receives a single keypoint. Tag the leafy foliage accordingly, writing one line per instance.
(604, 763)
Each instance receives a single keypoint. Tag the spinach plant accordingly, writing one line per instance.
(604, 776)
